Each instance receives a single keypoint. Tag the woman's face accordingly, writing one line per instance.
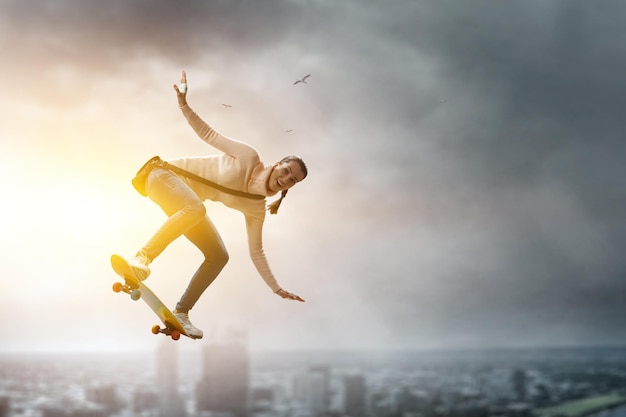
(284, 176)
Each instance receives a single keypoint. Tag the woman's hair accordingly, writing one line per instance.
(273, 207)
(298, 160)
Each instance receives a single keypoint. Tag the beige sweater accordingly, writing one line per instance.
(238, 167)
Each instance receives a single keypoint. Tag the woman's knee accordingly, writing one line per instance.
(216, 259)
(195, 209)
(222, 257)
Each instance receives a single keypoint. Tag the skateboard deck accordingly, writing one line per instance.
(137, 289)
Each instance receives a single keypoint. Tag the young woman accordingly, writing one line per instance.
(238, 167)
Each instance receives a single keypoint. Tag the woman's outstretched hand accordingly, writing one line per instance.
(286, 294)
(181, 93)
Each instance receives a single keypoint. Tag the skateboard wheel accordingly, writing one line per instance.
(135, 295)
(156, 329)
(117, 287)
(175, 335)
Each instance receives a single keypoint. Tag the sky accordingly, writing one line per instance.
(466, 175)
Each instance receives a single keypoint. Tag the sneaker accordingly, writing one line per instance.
(136, 267)
(190, 329)
(139, 266)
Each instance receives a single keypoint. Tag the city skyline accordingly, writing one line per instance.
(534, 383)
(465, 186)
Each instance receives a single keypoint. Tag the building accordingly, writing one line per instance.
(225, 380)
(5, 403)
(312, 390)
(355, 395)
(519, 381)
(170, 404)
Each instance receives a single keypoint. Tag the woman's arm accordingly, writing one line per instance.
(206, 132)
(254, 227)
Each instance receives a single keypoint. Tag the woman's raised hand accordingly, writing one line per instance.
(181, 93)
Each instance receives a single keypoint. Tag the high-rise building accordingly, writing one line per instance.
(519, 381)
(170, 404)
(4, 406)
(224, 384)
(355, 394)
(312, 389)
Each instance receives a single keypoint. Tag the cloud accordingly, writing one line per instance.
(465, 159)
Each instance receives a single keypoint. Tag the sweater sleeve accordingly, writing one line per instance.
(254, 227)
(214, 138)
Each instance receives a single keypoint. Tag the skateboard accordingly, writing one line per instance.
(137, 289)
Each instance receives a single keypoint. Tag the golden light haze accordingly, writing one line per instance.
(70, 204)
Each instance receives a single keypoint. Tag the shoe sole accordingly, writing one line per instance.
(193, 336)
(122, 267)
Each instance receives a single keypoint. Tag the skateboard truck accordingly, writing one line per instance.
(168, 330)
(128, 288)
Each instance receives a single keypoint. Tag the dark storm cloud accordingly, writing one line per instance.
(108, 32)
(555, 94)
(540, 149)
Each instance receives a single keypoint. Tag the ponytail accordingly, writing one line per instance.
(273, 207)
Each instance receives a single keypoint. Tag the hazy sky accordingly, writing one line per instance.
(466, 168)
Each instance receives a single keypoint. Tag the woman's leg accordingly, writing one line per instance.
(187, 215)
(182, 206)
(206, 238)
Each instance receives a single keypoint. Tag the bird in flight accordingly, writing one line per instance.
(289, 130)
(226, 105)
(302, 80)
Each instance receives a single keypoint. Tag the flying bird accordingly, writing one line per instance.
(302, 80)
(226, 105)
(289, 130)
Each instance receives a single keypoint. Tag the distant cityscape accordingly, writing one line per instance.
(223, 378)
